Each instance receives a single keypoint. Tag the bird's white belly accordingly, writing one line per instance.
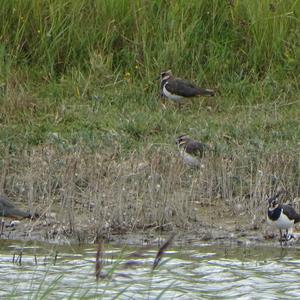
(283, 222)
(171, 96)
(190, 160)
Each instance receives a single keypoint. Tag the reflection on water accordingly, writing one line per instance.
(205, 272)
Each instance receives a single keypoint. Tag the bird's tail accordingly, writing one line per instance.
(206, 92)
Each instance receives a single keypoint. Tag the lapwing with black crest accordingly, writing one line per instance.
(282, 216)
(177, 89)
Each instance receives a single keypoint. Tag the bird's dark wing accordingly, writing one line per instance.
(8, 209)
(196, 148)
(186, 88)
(182, 87)
(5, 202)
(291, 213)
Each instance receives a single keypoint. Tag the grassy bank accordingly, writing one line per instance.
(84, 132)
(85, 69)
(220, 37)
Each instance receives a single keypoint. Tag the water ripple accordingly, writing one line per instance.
(201, 273)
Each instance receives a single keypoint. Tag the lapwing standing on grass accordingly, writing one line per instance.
(191, 151)
(176, 89)
(8, 209)
(282, 216)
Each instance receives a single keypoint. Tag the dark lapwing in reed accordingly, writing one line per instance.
(176, 89)
(8, 209)
(191, 151)
(282, 216)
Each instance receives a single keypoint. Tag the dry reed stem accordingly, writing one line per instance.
(151, 189)
(162, 250)
(99, 260)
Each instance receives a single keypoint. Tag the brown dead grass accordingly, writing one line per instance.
(98, 193)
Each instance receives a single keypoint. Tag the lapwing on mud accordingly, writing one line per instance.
(176, 89)
(282, 216)
(191, 151)
(8, 209)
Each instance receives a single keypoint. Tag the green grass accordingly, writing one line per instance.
(85, 69)
(152, 34)
(132, 118)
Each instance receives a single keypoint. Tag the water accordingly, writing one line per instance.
(201, 272)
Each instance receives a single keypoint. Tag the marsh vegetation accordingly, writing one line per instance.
(86, 140)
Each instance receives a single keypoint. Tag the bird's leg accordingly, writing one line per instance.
(280, 239)
(2, 226)
(164, 106)
(286, 236)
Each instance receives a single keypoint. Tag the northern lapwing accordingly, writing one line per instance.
(176, 89)
(8, 209)
(191, 151)
(282, 216)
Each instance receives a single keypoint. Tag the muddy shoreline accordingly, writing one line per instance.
(225, 232)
